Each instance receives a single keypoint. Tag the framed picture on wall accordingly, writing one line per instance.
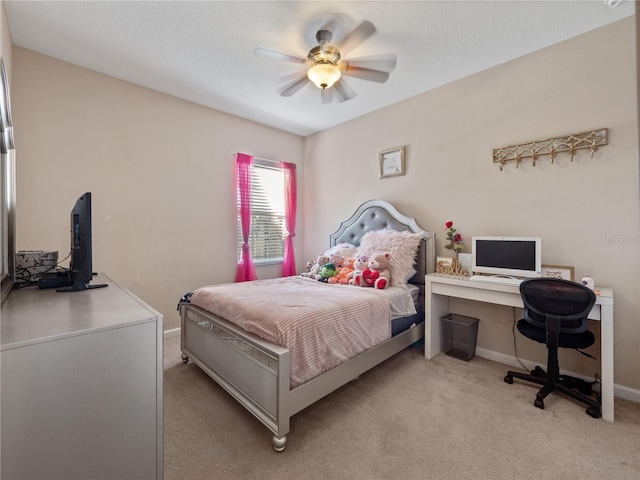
(558, 271)
(392, 162)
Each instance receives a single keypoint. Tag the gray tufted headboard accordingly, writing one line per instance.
(380, 214)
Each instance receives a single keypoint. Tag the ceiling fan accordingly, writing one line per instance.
(327, 67)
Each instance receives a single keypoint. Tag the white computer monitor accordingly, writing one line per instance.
(508, 256)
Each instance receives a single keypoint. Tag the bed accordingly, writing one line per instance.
(257, 372)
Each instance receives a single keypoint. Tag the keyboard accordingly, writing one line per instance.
(497, 280)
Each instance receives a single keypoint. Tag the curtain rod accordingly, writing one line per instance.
(260, 159)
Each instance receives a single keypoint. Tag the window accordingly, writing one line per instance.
(268, 225)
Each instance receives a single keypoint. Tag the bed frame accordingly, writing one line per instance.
(256, 372)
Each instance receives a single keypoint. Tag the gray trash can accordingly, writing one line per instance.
(459, 335)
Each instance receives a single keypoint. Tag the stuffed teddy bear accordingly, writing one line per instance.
(327, 271)
(342, 277)
(377, 274)
(337, 259)
(359, 265)
(381, 264)
(310, 265)
(314, 272)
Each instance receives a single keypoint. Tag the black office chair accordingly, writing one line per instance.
(555, 313)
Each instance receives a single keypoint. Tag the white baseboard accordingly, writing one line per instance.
(618, 390)
(173, 332)
(626, 393)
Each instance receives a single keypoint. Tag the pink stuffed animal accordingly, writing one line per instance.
(336, 259)
(359, 265)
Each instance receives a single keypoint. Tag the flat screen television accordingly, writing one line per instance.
(518, 257)
(80, 265)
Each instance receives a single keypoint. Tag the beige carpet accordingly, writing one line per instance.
(408, 418)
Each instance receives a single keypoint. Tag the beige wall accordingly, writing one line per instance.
(160, 169)
(586, 212)
(161, 173)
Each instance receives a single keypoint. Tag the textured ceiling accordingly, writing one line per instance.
(202, 51)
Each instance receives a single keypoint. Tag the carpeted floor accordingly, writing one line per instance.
(408, 418)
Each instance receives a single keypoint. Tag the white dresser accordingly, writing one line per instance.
(81, 385)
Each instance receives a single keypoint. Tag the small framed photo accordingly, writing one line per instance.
(392, 162)
(558, 271)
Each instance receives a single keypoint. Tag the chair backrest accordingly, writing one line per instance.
(570, 301)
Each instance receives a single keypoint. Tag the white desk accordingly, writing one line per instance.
(439, 288)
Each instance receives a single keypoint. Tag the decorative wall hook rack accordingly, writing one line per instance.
(551, 147)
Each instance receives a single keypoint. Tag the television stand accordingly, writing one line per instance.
(81, 385)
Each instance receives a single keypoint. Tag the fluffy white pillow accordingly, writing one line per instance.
(344, 249)
(402, 246)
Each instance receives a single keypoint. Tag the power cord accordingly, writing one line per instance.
(29, 282)
(585, 354)
(597, 381)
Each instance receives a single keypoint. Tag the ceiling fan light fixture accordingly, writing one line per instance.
(324, 75)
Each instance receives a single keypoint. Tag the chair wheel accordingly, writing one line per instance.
(539, 403)
(508, 379)
(538, 372)
(594, 412)
(185, 359)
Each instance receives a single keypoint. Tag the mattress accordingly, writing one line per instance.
(401, 323)
(322, 325)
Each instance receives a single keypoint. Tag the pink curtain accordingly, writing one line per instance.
(244, 174)
(289, 263)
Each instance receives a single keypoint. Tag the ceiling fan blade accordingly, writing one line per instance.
(356, 37)
(385, 62)
(295, 86)
(366, 74)
(344, 92)
(264, 52)
(327, 95)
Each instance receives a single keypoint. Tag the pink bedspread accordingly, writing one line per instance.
(321, 325)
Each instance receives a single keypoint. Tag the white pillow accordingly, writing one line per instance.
(345, 250)
(402, 246)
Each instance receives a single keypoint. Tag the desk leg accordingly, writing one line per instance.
(436, 306)
(606, 352)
